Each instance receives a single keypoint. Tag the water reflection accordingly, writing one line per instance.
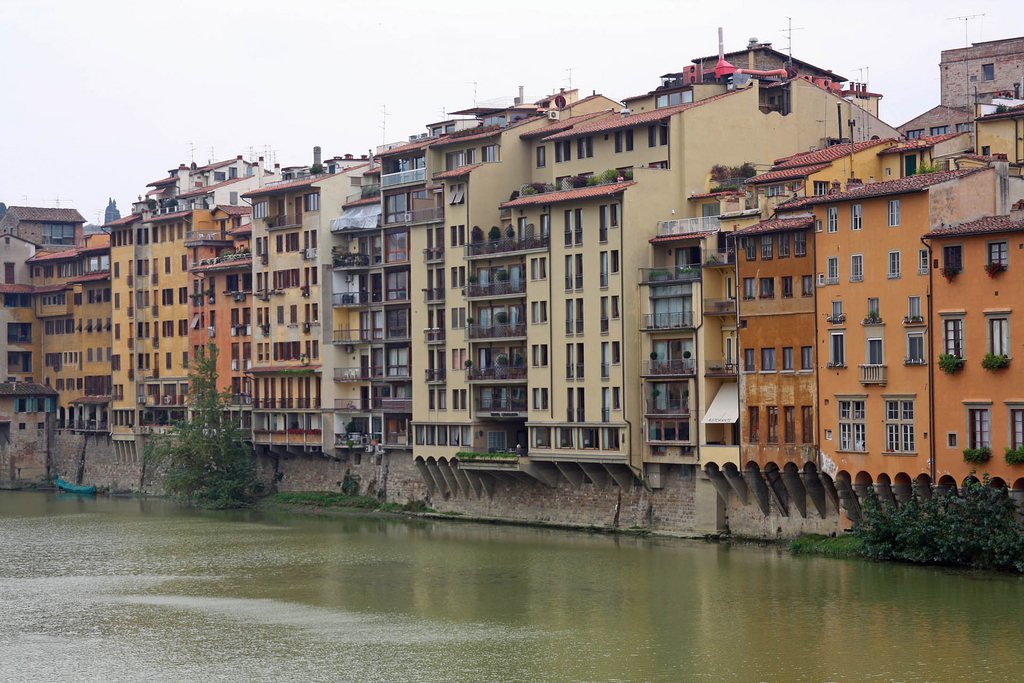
(130, 589)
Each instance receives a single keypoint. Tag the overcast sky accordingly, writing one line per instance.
(100, 98)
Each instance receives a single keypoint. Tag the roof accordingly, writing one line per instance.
(163, 181)
(828, 154)
(409, 147)
(279, 368)
(43, 289)
(708, 195)
(168, 216)
(125, 220)
(1016, 110)
(782, 55)
(362, 202)
(372, 171)
(25, 389)
(562, 125)
(41, 213)
(90, 277)
(217, 164)
(456, 173)
(91, 399)
(568, 195)
(786, 174)
(234, 210)
(914, 183)
(682, 236)
(292, 185)
(16, 289)
(55, 255)
(778, 225)
(244, 229)
(200, 191)
(922, 142)
(982, 226)
(618, 123)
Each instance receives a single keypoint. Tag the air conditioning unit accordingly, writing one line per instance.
(349, 348)
(141, 398)
(821, 279)
(305, 327)
(366, 439)
(553, 115)
(311, 253)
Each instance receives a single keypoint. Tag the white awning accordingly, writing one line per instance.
(725, 409)
(363, 216)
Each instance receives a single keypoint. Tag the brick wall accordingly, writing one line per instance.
(956, 74)
(23, 452)
(103, 462)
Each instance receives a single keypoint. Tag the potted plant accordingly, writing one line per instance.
(686, 354)
(950, 364)
(468, 364)
(501, 275)
(501, 317)
(495, 233)
(654, 355)
(501, 359)
(994, 269)
(995, 361)
(510, 232)
(1014, 456)
(949, 272)
(977, 456)
(151, 203)
(910, 319)
(470, 319)
(472, 279)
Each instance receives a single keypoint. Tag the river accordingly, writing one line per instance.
(122, 589)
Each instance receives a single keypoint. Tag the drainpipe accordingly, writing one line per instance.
(639, 472)
(814, 359)
(931, 366)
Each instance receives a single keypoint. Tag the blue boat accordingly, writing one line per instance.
(73, 488)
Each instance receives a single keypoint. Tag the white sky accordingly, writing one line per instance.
(99, 98)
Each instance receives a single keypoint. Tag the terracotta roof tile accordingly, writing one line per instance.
(644, 117)
(982, 226)
(200, 191)
(241, 230)
(168, 216)
(234, 210)
(778, 225)
(293, 185)
(829, 154)
(914, 183)
(409, 147)
(91, 399)
(26, 389)
(559, 126)
(43, 289)
(456, 173)
(922, 142)
(163, 181)
(983, 157)
(786, 174)
(55, 255)
(212, 166)
(707, 195)
(568, 195)
(1016, 110)
(91, 277)
(373, 171)
(42, 213)
(362, 202)
(679, 238)
(16, 289)
(124, 220)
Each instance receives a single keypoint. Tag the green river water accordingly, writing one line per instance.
(100, 589)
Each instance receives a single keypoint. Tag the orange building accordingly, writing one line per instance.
(775, 271)
(979, 406)
(872, 291)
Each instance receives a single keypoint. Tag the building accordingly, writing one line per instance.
(1002, 132)
(979, 426)
(21, 361)
(52, 229)
(26, 432)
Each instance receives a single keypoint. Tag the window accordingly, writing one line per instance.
(748, 360)
(806, 285)
(629, 140)
(806, 358)
(1016, 428)
(585, 147)
(807, 423)
(563, 151)
(767, 360)
(750, 248)
(767, 288)
(939, 130)
(766, 247)
(540, 399)
(489, 154)
(259, 209)
(789, 424)
(857, 268)
(913, 308)
(952, 257)
(856, 217)
(894, 265)
(978, 428)
(772, 413)
(988, 72)
(999, 335)
(953, 336)
(748, 288)
(58, 233)
(915, 349)
(787, 359)
(833, 270)
(922, 261)
(832, 223)
(787, 287)
(998, 253)
(873, 308)
(914, 134)
(837, 350)
(852, 426)
(894, 212)
(899, 426)
(754, 422)
(542, 157)
(800, 243)
(311, 202)
(820, 187)
(784, 245)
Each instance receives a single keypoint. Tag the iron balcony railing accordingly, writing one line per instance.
(715, 258)
(356, 405)
(664, 368)
(354, 374)
(719, 306)
(414, 175)
(496, 331)
(435, 374)
(433, 254)
(686, 226)
(206, 236)
(669, 274)
(496, 373)
(720, 368)
(343, 261)
(433, 213)
(433, 294)
(501, 404)
(358, 336)
(434, 335)
(284, 220)
(667, 321)
(342, 299)
(496, 288)
(668, 406)
(506, 245)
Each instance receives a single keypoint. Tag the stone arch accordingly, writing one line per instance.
(997, 483)
(902, 488)
(1018, 484)
(970, 479)
(923, 486)
(946, 485)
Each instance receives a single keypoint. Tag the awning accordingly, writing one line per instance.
(366, 216)
(725, 409)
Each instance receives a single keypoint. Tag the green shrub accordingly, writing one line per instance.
(528, 190)
(977, 455)
(1014, 456)
(950, 364)
(995, 362)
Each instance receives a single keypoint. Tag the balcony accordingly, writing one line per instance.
(392, 373)
(284, 220)
(416, 175)
(669, 275)
(497, 373)
(836, 319)
(719, 306)
(397, 334)
(396, 296)
(720, 368)
(352, 405)
(714, 258)
(680, 367)
(391, 404)
(358, 374)
(434, 335)
(88, 426)
(508, 245)
(349, 261)
(241, 399)
(666, 321)
(501, 407)
(290, 437)
(352, 299)
(668, 406)
(433, 295)
(688, 226)
(435, 375)
(195, 238)
(497, 288)
(357, 336)
(428, 215)
(432, 255)
(496, 331)
(872, 374)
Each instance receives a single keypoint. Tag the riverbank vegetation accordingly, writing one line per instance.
(324, 500)
(975, 529)
(204, 458)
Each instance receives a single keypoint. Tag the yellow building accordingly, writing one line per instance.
(1002, 132)
(21, 361)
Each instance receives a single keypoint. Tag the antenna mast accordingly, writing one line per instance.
(789, 36)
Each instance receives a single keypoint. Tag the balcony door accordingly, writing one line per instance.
(875, 352)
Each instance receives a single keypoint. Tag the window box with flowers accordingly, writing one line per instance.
(994, 269)
(977, 456)
(747, 297)
(993, 361)
(950, 272)
(871, 319)
(913, 320)
(1014, 456)
(835, 366)
(950, 364)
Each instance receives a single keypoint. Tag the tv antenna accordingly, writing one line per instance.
(570, 70)
(212, 156)
(966, 19)
(57, 201)
(474, 84)
(191, 152)
(789, 36)
(383, 124)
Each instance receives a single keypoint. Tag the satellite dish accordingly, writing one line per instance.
(560, 102)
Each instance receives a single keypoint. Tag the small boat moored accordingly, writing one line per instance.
(68, 487)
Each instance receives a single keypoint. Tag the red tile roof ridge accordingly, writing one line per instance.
(682, 236)
(209, 167)
(199, 191)
(828, 153)
(562, 125)
(54, 255)
(124, 220)
(91, 277)
(43, 213)
(297, 183)
(408, 147)
(569, 195)
(16, 288)
(457, 172)
(705, 195)
(778, 225)
(914, 183)
(980, 226)
(922, 142)
(786, 173)
(1015, 110)
(163, 181)
(233, 210)
(167, 216)
(362, 202)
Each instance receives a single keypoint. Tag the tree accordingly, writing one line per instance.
(3, 209)
(205, 458)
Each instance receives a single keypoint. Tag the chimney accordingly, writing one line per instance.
(1017, 211)
(348, 156)
(239, 157)
(624, 113)
(521, 97)
(277, 167)
(261, 160)
(183, 167)
(853, 183)
(316, 155)
(835, 187)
